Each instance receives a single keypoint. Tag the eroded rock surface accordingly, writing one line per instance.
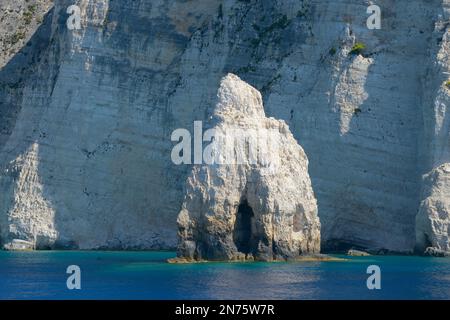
(86, 115)
(251, 209)
(433, 220)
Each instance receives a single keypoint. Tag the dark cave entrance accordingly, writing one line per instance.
(422, 243)
(242, 234)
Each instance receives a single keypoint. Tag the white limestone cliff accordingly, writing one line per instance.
(433, 218)
(86, 115)
(246, 210)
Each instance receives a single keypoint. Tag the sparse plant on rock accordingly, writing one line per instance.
(358, 48)
(28, 15)
(18, 36)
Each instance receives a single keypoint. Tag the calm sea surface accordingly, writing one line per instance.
(146, 275)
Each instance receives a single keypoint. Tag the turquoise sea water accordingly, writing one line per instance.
(146, 275)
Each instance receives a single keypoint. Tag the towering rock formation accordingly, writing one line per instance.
(86, 115)
(256, 204)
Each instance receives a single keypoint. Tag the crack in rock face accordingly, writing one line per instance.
(258, 203)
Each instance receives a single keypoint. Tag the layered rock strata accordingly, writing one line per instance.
(86, 115)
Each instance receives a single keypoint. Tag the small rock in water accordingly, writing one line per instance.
(357, 253)
(435, 252)
(18, 245)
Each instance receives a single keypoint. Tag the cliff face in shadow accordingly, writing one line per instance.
(85, 144)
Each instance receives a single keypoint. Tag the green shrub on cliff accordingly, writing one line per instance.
(358, 48)
(447, 84)
(28, 15)
(18, 36)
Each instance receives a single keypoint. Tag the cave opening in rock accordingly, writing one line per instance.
(423, 242)
(242, 234)
(427, 242)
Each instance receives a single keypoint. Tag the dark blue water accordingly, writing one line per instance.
(146, 275)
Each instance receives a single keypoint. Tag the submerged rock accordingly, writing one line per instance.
(433, 219)
(357, 253)
(254, 200)
(18, 245)
(433, 252)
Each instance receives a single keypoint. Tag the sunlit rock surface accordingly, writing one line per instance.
(246, 210)
(86, 115)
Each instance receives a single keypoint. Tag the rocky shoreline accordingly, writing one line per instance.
(304, 258)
